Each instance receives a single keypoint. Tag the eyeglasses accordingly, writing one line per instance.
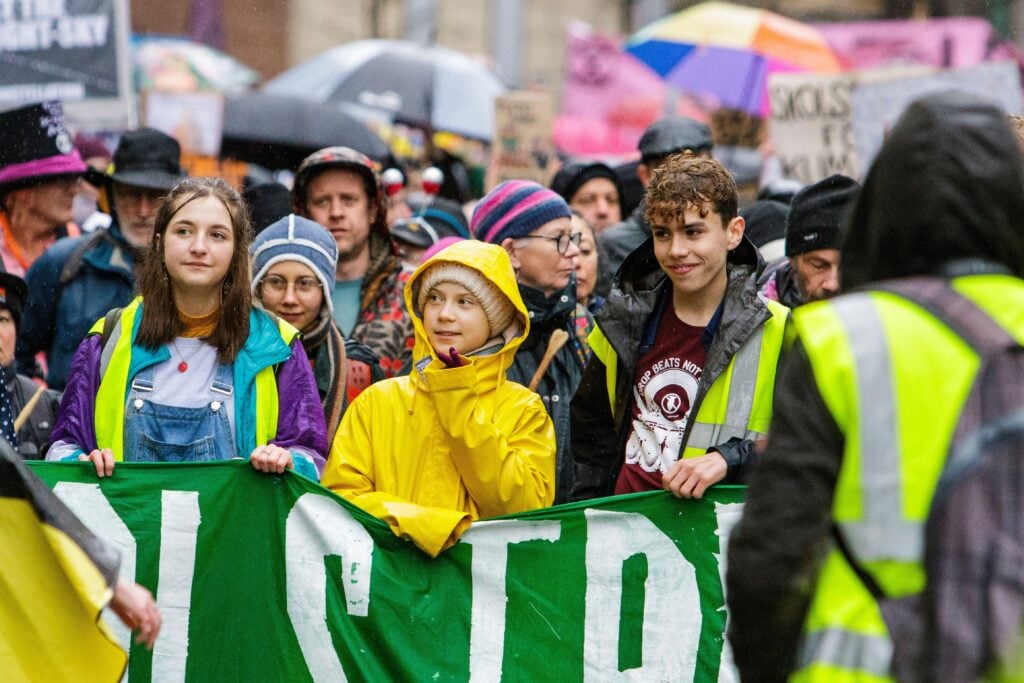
(278, 285)
(561, 241)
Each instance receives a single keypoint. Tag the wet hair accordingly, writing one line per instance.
(684, 182)
(160, 322)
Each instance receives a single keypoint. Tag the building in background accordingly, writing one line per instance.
(524, 39)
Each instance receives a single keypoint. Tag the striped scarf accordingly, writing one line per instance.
(326, 350)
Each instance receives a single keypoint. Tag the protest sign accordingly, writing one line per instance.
(71, 50)
(194, 119)
(522, 147)
(876, 106)
(811, 125)
(941, 42)
(271, 577)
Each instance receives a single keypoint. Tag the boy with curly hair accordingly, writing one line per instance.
(679, 385)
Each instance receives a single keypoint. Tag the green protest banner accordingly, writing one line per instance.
(264, 577)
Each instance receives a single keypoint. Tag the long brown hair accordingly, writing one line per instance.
(160, 322)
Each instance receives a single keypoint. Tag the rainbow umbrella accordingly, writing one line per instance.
(727, 51)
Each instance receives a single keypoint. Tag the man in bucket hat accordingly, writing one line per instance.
(39, 178)
(340, 189)
(78, 280)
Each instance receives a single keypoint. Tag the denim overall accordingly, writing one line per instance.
(154, 432)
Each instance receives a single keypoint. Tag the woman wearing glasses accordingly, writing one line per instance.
(189, 371)
(533, 225)
(293, 262)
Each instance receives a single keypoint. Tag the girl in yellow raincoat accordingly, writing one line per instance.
(454, 441)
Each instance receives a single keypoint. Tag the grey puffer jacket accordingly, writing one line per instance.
(629, 320)
(615, 244)
(558, 384)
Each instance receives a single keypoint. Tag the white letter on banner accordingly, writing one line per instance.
(92, 507)
(727, 514)
(490, 541)
(672, 616)
(179, 527)
(318, 526)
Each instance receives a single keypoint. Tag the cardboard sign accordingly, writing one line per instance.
(811, 125)
(522, 147)
(194, 119)
(877, 106)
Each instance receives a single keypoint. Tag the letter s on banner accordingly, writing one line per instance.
(92, 507)
(671, 634)
(318, 526)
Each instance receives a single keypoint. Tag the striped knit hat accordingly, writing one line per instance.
(515, 209)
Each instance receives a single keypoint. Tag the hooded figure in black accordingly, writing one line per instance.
(945, 197)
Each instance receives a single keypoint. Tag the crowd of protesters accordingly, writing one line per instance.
(537, 348)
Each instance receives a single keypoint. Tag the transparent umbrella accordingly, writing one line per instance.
(176, 64)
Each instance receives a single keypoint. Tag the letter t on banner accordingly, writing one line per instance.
(671, 636)
(490, 541)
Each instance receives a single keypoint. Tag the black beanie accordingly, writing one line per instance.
(816, 214)
(766, 221)
(575, 173)
(268, 203)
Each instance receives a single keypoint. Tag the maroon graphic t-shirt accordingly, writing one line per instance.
(664, 388)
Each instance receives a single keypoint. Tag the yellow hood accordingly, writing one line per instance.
(492, 262)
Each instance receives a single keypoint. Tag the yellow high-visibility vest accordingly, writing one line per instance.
(895, 380)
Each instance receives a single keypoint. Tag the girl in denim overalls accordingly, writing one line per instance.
(190, 371)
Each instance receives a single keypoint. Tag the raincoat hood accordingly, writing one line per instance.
(946, 186)
(494, 265)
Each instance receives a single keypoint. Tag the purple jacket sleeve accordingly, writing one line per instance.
(300, 420)
(75, 422)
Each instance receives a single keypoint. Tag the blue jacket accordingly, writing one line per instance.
(56, 318)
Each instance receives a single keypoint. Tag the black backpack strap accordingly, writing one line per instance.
(844, 549)
(956, 311)
(109, 323)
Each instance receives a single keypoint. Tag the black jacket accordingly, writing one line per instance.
(558, 384)
(615, 244)
(628, 320)
(943, 197)
(34, 435)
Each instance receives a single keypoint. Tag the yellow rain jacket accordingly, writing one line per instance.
(431, 452)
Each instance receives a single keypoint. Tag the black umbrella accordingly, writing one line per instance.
(279, 131)
(427, 86)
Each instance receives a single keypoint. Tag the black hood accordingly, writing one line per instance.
(640, 271)
(946, 186)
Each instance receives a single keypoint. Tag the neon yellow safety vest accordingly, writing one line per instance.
(895, 380)
(739, 401)
(115, 365)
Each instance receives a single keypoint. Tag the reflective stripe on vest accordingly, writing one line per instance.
(108, 413)
(740, 402)
(871, 368)
(883, 533)
(847, 650)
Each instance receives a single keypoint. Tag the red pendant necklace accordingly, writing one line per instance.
(183, 365)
